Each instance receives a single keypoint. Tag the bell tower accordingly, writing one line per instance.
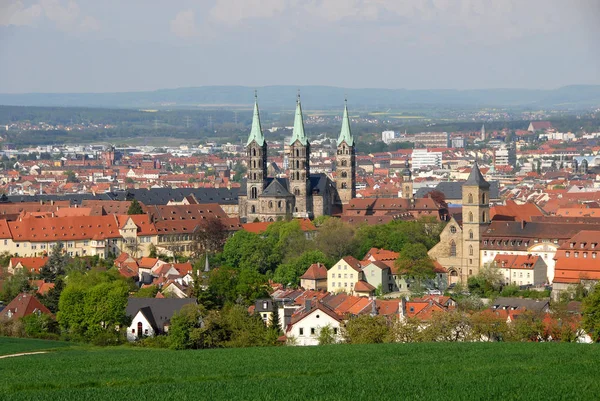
(407, 183)
(299, 166)
(345, 161)
(256, 157)
(476, 216)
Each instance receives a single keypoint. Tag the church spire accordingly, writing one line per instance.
(256, 133)
(345, 133)
(298, 132)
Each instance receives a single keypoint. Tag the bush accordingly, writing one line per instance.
(152, 342)
(107, 338)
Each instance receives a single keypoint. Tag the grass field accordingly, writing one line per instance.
(441, 371)
(10, 345)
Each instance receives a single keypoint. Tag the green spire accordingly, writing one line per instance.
(345, 134)
(298, 132)
(256, 131)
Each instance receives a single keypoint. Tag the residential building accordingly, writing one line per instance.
(307, 323)
(521, 269)
(152, 316)
(344, 275)
(23, 305)
(423, 158)
(315, 277)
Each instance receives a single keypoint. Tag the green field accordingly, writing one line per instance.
(10, 345)
(440, 371)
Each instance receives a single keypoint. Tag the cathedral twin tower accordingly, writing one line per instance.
(302, 194)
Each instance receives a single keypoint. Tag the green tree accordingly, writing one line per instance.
(289, 273)
(135, 208)
(415, 263)
(591, 314)
(147, 292)
(14, 285)
(326, 336)
(56, 264)
(71, 177)
(367, 329)
(51, 299)
(182, 324)
(335, 239)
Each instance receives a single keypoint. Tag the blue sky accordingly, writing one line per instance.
(127, 45)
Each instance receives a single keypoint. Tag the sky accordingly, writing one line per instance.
(135, 45)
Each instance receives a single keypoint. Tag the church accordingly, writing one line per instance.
(459, 248)
(302, 194)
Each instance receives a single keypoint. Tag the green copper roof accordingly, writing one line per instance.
(298, 132)
(345, 134)
(256, 131)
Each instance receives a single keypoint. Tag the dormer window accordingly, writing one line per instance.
(572, 244)
(567, 254)
(594, 245)
(583, 244)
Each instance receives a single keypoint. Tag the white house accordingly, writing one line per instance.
(152, 316)
(306, 324)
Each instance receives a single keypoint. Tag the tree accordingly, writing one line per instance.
(591, 314)
(56, 264)
(14, 285)
(439, 197)
(51, 299)
(71, 177)
(487, 326)
(152, 253)
(367, 329)
(147, 292)
(135, 208)
(289, 273)
(326, 336)
(414, 262)
(210, 236)
(335, 239)
(487, 282)
(182, 324)
(447, 326)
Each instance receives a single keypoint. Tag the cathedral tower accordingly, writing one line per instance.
(476, 216)
(299, 159)
(256, 156)
(345, 162)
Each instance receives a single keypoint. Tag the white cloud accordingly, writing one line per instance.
(184, 24)
(15, 13)
(65, 15)
(234, 11)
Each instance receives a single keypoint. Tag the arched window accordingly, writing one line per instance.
(254, 163)
(297, 153)
(483, 218)
(483, 198)
(296, 191)
(253, 209)
(298, 175)
(253, 152)
(253, 193)
(470, 198)
(297, 163)
(344, 174)
(344, 185)
(280, 204)
(344, 163)
(255, 176)
(139, 329)
(470, 217)
(470, 234)
(453, 229)
(270, 204)
(470, 250)
(452, 248)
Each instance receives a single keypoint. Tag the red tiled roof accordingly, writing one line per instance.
(64, 228)
(31, 264)
(23, 305)
(316, 271)
(363, 286)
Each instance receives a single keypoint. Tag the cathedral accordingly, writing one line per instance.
(301, 194)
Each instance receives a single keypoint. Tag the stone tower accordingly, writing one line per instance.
(483, 136)
(476, 216)
(299, 168)
(407, 184)
(345, 162)
(256, 156)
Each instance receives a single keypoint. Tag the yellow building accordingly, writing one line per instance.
(344, 275)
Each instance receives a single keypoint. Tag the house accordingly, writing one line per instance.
(343, 275)
(174, 289)
(539, 126)
(537, 306)
(364, 289)
(152, 316)
(23, 305)
(33, 265)
(306, 324)
(379, 275)
(577, 261)
(264, 308)
(315, 277)
(521, 269)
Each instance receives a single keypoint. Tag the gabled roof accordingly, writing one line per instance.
(381, 254)
(363, 286)
(23, 305)
(353, 262)
(31, 264)
(275, 189)
(316, 271)
(160, 309)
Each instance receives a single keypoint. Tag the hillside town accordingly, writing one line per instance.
(474, 215)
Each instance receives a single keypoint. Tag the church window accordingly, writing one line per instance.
(297, 163)
(470, 234)
(254, 163)
(344, 174)
(297, 153)
(280, 204)
(344, 185)
(253, 193)
(253, 152)
(298, 176)
(470, 250)
(470, 217)
(253, 209)
(453, 229)
(470, 198)
(254, 176)
(270, 204)
(483, 217)
(344, 163)
(452, 248)
(296, 191)
(483, 198)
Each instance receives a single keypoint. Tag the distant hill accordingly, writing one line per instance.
(316, 97)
